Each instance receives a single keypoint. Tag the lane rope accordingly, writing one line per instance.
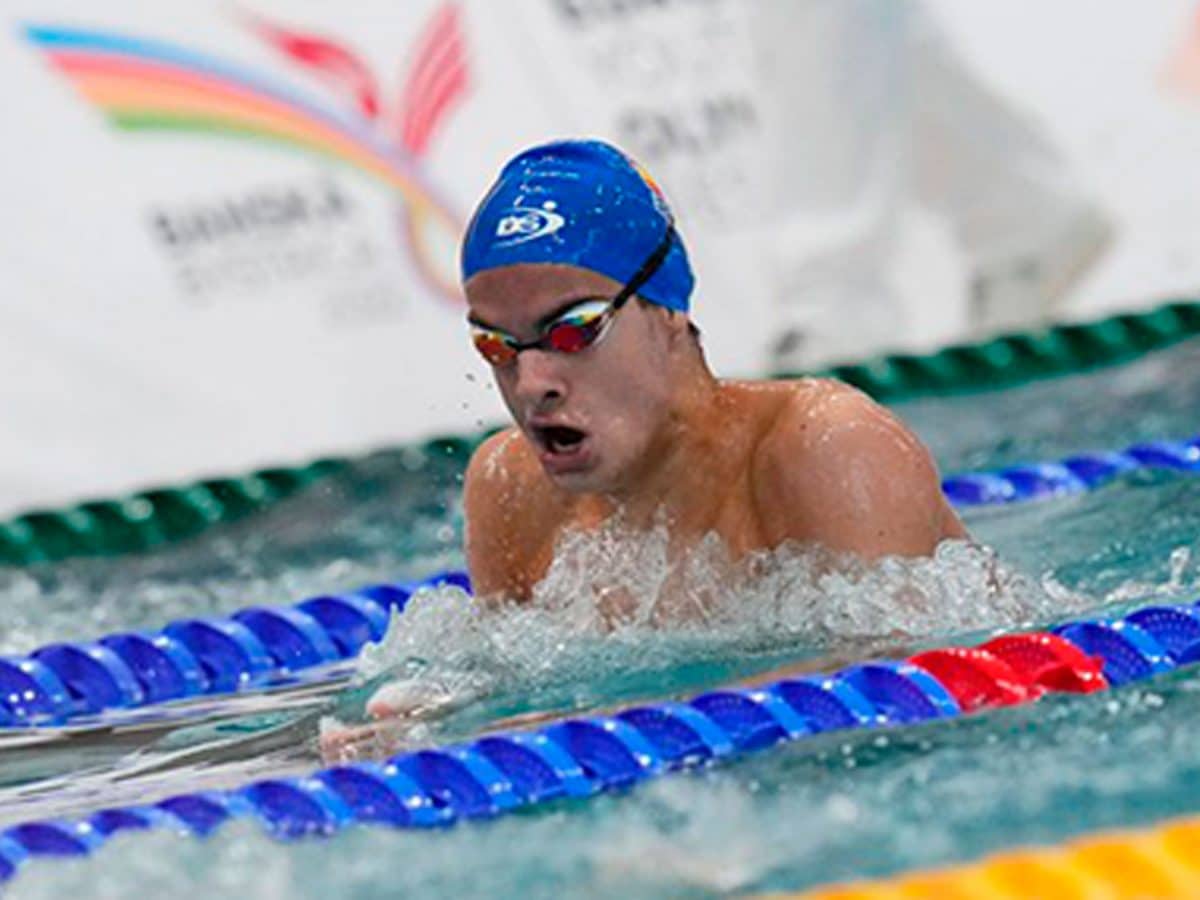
(72, 682)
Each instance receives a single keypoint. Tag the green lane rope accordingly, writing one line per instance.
(158, 516)
(1015, 359)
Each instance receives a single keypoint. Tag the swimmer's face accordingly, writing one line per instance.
(590, 416)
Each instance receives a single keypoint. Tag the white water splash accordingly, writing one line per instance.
(614, 602)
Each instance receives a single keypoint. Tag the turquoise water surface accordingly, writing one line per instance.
(824, 809)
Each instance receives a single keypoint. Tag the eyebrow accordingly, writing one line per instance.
(545, 320)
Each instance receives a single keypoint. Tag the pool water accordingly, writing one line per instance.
(824, 809)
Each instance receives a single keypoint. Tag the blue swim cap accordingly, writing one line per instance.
(579, 203)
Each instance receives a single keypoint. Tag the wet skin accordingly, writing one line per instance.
(638, 426)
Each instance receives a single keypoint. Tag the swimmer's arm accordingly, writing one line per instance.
(852, 477)
(491, 497)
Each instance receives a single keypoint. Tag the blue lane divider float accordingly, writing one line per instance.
(12, 854)
(579, 757)
(93, 674)
(1073, 475)
(164, 667)
(1129, 652)
(62, 682)
(901, 692)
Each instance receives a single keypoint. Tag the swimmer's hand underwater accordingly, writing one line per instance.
(401, 725)
(400, 711)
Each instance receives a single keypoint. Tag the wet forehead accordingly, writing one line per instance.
(516, 298)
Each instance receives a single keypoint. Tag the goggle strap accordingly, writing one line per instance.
(649, 267)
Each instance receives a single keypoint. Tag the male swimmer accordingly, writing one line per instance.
(578, 288)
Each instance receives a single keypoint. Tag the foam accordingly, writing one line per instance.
(616, 618)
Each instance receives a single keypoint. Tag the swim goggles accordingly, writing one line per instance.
(579, 327)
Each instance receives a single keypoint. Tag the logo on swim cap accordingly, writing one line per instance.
(523, 223)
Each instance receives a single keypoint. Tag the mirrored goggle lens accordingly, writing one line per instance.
(569, 338)
(493, 348)
(577, 331)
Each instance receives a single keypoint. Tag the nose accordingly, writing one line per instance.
(539, 383)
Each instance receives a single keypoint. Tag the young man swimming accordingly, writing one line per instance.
(578, 286)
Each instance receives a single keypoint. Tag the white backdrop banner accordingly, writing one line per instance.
(230, 231)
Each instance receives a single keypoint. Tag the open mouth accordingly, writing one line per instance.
(560, 439)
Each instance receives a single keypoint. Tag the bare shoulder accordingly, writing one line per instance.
(495, 463)
(836, 467)
(822, 414)
(508, 513)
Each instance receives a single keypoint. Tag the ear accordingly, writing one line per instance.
(678, 325)
(668, 322)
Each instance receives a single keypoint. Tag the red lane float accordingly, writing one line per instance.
(977, 678)
(1050, 662)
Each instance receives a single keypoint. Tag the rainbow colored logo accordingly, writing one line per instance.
(147, 85)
